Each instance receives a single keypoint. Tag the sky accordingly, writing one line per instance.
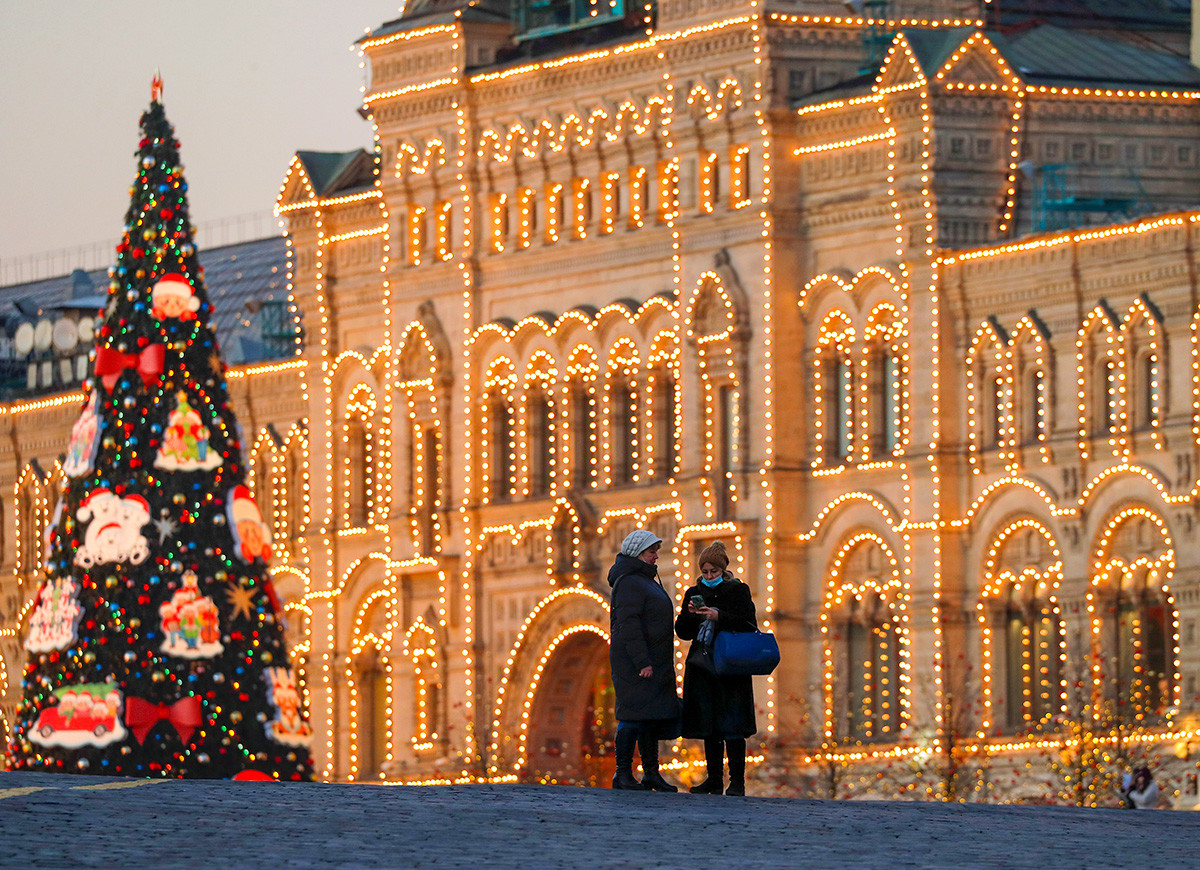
(246, 84)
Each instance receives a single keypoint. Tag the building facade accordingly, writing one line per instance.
(903, 311)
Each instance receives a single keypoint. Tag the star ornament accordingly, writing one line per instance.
(240, 599)
(166, 527)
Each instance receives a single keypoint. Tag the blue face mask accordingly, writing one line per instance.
(716, 581)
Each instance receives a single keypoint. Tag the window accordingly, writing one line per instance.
(739, 176)
(1030, 635)
(1033, 414)
(727, 422)
(498, 233)
(427, 498)
(887, 377)
(610, 202)
(500, 459)
(639, 196)
(709, 182)
(371, 683)
(839, 411)
(541, 469)
(356, 438)
(668, 190)
(664, 424)
(1145, 390)
(582, 435)
(1143, 677)
(416, 234)
(870, 648)
(526, 217)
(993, 411)
(445, 240)
(1105, 397)
(623, 433)
(581, 208)
(554, 211)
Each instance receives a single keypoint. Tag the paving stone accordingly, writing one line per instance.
(53, 821)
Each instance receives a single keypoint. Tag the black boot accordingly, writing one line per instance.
(625, 740)
(713, 760)
(736, 749)
(651, 778)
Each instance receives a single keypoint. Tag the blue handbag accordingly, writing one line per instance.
(745, 652)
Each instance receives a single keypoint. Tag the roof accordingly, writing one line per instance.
(1052, 55)
(239, 279)
(422, 13)
(334, 171)
(1140, 14)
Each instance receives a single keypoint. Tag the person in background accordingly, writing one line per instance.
(717, 709)
(641, 652)
(1140, 790)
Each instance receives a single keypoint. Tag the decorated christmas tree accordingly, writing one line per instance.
(155, 640)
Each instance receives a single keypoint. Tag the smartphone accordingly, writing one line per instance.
(697, 601)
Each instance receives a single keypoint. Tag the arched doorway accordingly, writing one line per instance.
(571, 721)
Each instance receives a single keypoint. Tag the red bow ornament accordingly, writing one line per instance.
(149, 364)
(141, 716)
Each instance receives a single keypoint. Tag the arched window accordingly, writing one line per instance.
(728, 436)
(356, 439)
(429, 725)
(1105, 397)
(500, 458)
(583, 435)
(1030, 632)
(1022, 628)
(623, 428)
(887, 376)
(295, 494)
(1144, 389)
(371, 687)
(1030, 411)
(663, 421)
(372, 713)
(839, 387)
(863, 628)
(426, 476)
(1100, 393)
(835, 388)
(30, 528)
(1136, 618)
(540, 445)
(872, 677)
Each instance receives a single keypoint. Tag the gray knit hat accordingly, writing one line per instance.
(638, 541)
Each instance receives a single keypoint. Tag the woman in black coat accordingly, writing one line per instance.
(718, 709)
(641, 652)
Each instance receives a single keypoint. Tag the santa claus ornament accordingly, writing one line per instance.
(251, 537)
(173, 297)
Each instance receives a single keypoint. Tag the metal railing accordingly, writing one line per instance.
(101, 255)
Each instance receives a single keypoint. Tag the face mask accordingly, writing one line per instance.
(716, 581)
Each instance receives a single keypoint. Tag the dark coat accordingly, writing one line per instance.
(717, 706)
(640, 623)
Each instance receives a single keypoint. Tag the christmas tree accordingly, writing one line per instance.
(155, 641)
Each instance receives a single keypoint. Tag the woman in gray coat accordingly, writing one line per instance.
(641, 653)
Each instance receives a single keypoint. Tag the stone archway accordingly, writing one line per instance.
(571, 721)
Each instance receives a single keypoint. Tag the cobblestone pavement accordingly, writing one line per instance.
(62, 821)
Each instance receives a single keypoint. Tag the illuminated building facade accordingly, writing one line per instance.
(920, 345)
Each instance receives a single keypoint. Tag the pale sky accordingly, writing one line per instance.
(246, 85)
